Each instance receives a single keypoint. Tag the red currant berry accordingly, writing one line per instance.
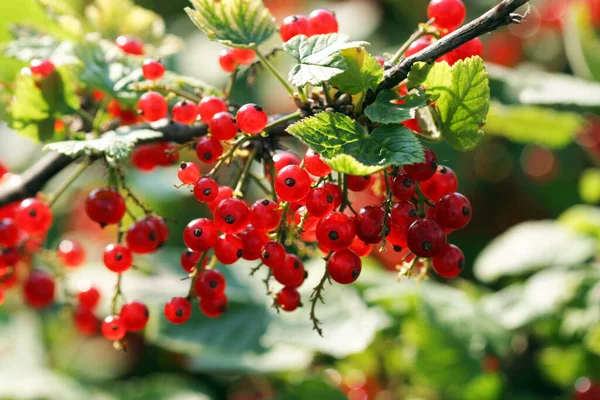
(426, 238)
(210, 284)
(178, 310)
(188, 173)
(206, 190)
(9, 256)
(88, 297)
(153, 70)
(314, 164)
(232, 215)
(291, 273)
(209, 106)
(322, 22)
(294, 25)
(319, 202)
(369, 224)
(222, 126)
(229, 249)
(336, 231)
(442, 183)
(288, 299)
(33, 216)
(358, 183)
(226, 60)
(213, 307)
(360, 248)
(38, 289)
(453, 211)
(265, 215)
(189, 259)
(225, 192)
(449, 261)
(252, 242)
(403, 188)
(134, 315)
(344, 266)
(243, 56)
(251, 119)
(336, 191)
(285, 158)
(152, 106)
(41, 68)
(292, 183)
(310, 221)
(86, 322)
(424, 170)
(417, 46)
(209, 149)
(9, 232)
(403, 214)
(448, 14)
(472, 48)
(161, 227)
(71, 253)
(185, 112)
(397, 235)
(142, 237)
(143, 158)
(117, 258)
(130, 45)
(200, 235)
(105, 206)
(113, 328)
(273, 254)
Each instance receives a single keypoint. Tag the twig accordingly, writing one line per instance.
(317, 295)
(424, 29)
(67, 182)
(272, 69)
(239, 188)
(388, 204)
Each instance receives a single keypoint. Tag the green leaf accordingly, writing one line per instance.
(589, 185)
(386, 109)
(345, 146)
(592, 340)
(363, 72)
(581, 42)
(531, 124)
(462, 96)
(310, 390)
(29, 44)
(319, 57)
(531, 246)
(583, 219)
(114, 144)
(237, 23)
(562, 366)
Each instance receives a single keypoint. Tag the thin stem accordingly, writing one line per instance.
(271, 175)
(316, 296)
(230, 83)
(387, 204)
(194, 275)
(99, 115)
(359, 104)
(328, 97)
(289, 117)
(259, 183)
(130, 194)
(86, 116)
(67, 182)
(239, 189)
(167, 88)
(422, 31)
(227, 155)
(118, 293)
(272, 69)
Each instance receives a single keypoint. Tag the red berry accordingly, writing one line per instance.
(403, 188)
(314, 164)
(291, 273)
(33, 216)
(200, 234)
(336, 191)
(144, 157)
(243, 56)
(86, 322)
(117, 258)
(38, 289)
(586, 390)
(369, 224)
(251, 119)
(426, 238)
(360, 248)
(226, 60)
(273, 254)
(41, 68)
(9, 232)
(9, 256)
(381, 61)
(143, 237)
(153, 70)
(130, 45)
(166, 154)
(424, 170)
(403, 214)
(417, 46)
(88, 297)
(232, 215)
(209, 106)
(189, 259)
(134, 315)
(336, 231)
(358, 183)
(113, 328)
(319, 202)
(442, 183)
(71, 253)
(229, 249)
(178, 310)
(209, 149)
(185, 112)
(222, 126)
(265, 215)
(210, 284)
(225, 192)
(285, 158)
(292, 183)
(188, 173)
(294, 25)
(288, 299)
(105, 206)
(344, 266)
(453, 211)
(252, 242)
(206, 189)
(152, 106)
(448, 14)
(472, 48)
(213, 307)
(449, 261)
(322, 22)
(310, 221)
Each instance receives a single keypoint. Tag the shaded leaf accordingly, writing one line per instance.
(386, 109)
(363, 72)
(310, 390)
(581, 42)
